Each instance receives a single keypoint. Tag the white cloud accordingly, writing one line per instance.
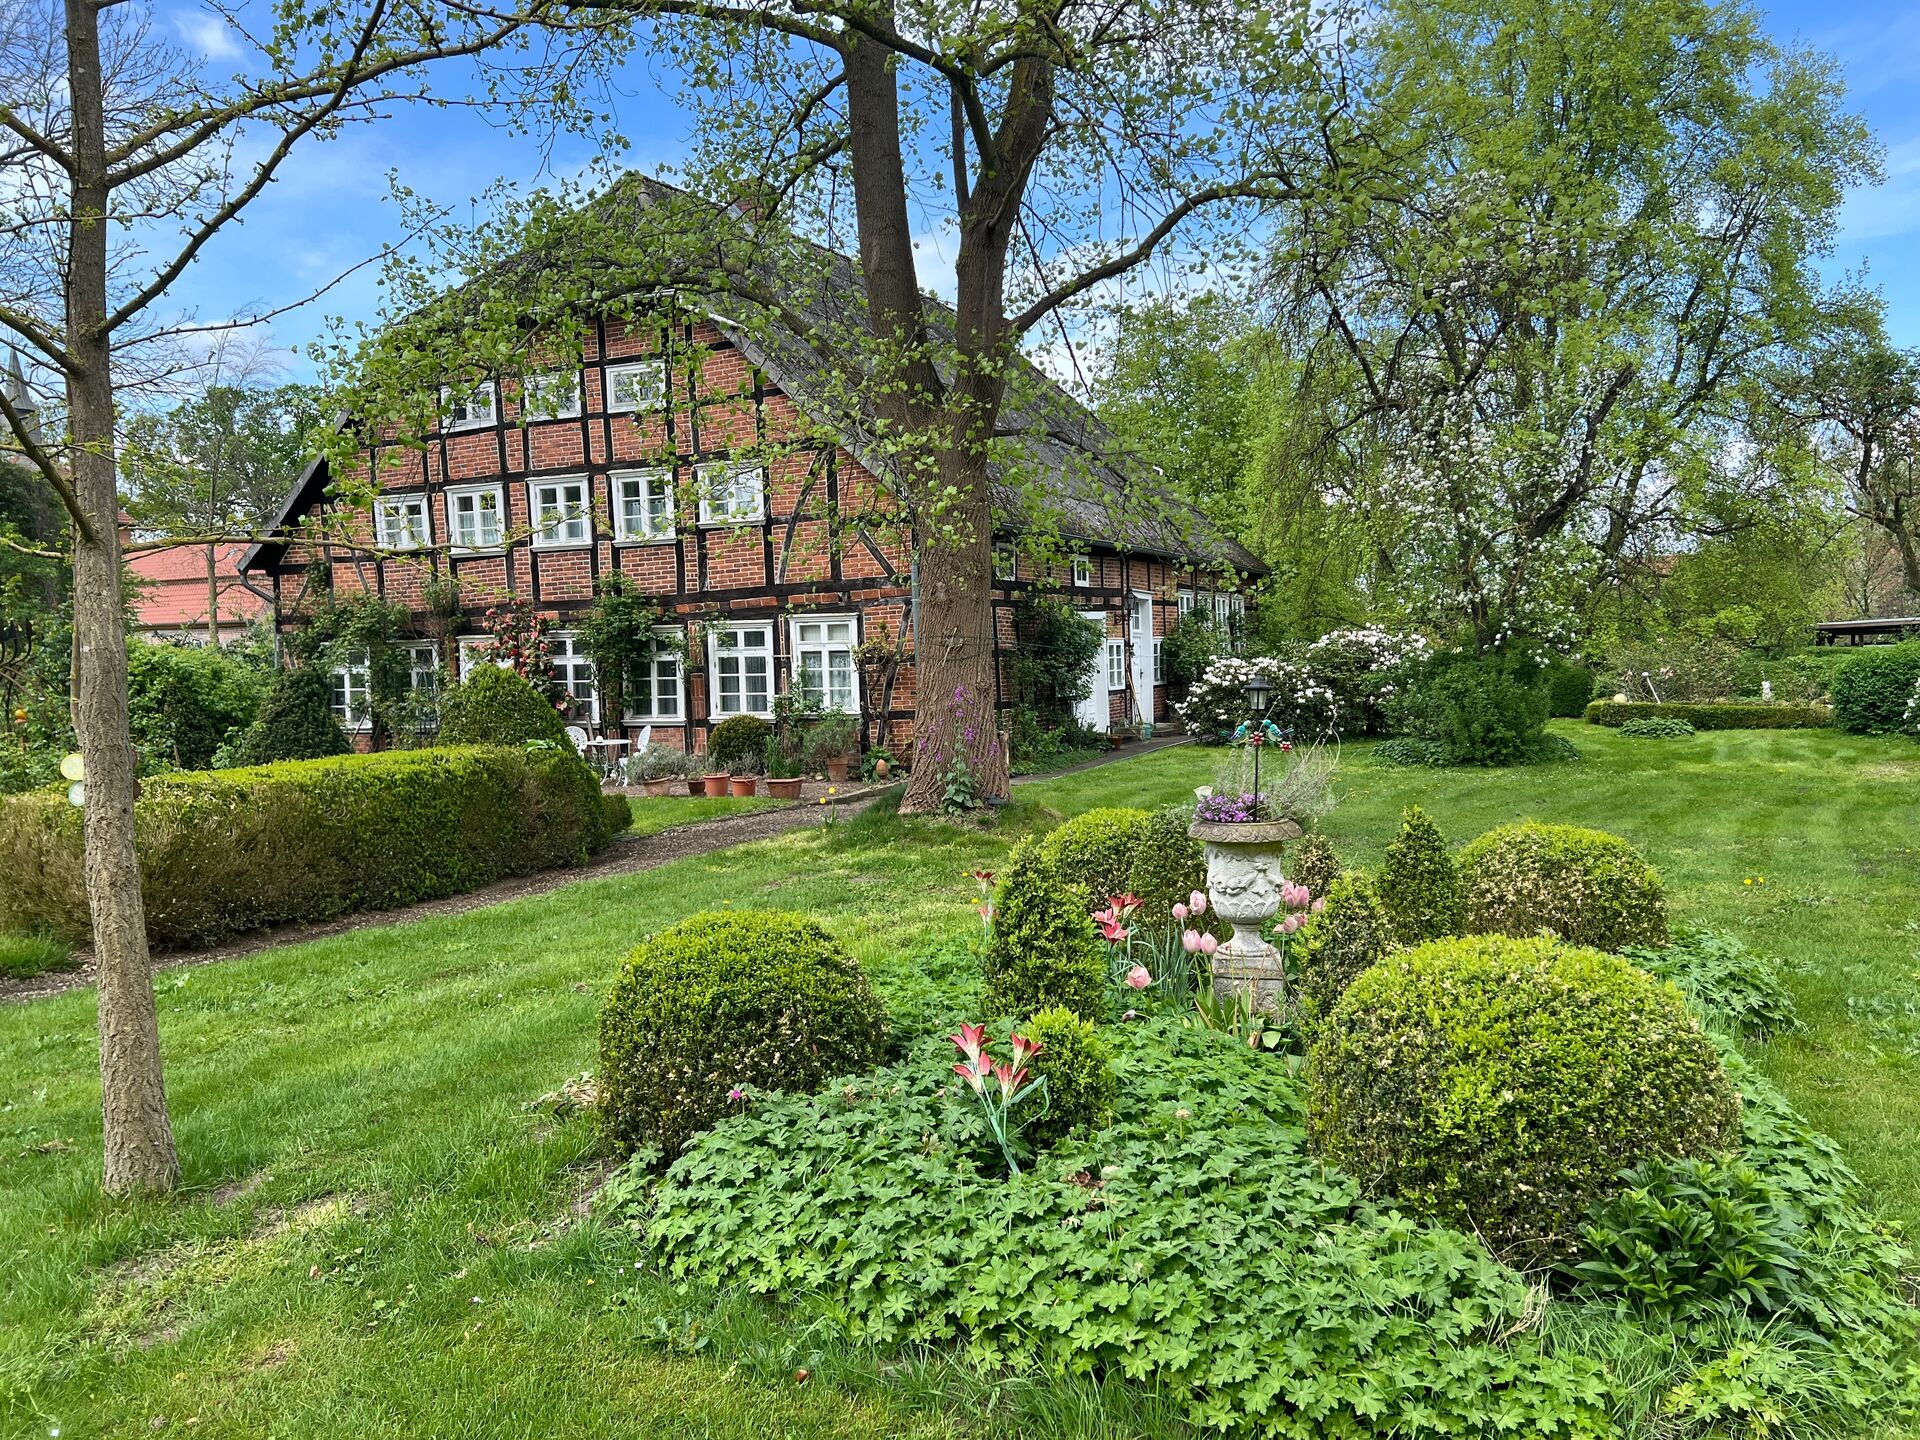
(209, 36)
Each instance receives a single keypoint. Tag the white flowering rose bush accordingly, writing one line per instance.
(1367, 669)
(1912, 726)
(1304, 707)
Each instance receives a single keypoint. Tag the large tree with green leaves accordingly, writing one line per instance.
(1543, 357)
(125, 157)
(1053, 149)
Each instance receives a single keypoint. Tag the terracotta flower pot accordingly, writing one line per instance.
(696, 785)
(745, 785)
(661, 785)
(716, 783)
(784, 788)
(837, 769)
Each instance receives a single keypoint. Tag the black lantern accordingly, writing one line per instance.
(1259, 698)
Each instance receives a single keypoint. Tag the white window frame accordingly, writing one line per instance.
(351, 683)
(1082, 572)
(423, 667)
(733, 472)
(1159, 663)
(416, 530)
(462, 414)
(649, 532)
(466, 661)
(825, 649)
(1116, 663)
(1006, 561)
(551, 383)
(573, 671)
(673, 656)
(1184, 601)
(460, 492)
(654, 396)
(572, 527)
(715, 649)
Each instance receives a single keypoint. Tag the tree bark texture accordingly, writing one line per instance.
(139, 1150)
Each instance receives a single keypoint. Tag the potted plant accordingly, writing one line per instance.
(783, 770)
(1245, 825)
(746, 775)
(831, 744)
(713, 783)
(654, 768)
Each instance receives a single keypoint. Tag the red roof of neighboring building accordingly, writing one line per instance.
(173, 594)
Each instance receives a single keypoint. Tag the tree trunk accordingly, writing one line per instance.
(138, 1138)
(953, 710)
(955, 718)
(213, 595)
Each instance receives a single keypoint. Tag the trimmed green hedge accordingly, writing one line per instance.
(227, 851)
(1714, 714)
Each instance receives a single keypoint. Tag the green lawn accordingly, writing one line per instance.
(379, 1234)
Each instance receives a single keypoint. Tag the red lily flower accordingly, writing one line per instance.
(1124, 904)
(972, 1043)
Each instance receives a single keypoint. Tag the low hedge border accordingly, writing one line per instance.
(227, 851)
(1714, 715)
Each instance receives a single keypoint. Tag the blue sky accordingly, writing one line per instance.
(329, 209)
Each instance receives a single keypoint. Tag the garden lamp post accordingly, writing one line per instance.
(1259, 698)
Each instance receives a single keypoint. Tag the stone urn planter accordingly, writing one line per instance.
(714, 783)
(658, 785)
(1243, 887)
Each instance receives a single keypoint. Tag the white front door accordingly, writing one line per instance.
(1142, 636)
(1092, 711)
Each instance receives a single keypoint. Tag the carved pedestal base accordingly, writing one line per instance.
(1243, 887)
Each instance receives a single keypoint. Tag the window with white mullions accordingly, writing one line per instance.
(475, 517)
(740, 662)
(423, 668)
(352, 699)
(400, 522)
(1116, 664)
(561, 515)
(1082, 571)
(823, 665)
(573, 673)
(554, 395)
(464, 409)
(636, 385)
(654, 689)
(643, 505)
(730, 494)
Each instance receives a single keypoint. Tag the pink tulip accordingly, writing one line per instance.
(1319, 905)
(1208, 944)
(1196, 903)
(1179, 912)
(1139, 978)
(1190, 942)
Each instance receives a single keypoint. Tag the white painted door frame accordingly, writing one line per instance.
(1094, 711)
(1140, 632)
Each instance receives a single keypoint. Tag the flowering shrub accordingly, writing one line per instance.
(1366, 670)
(517, 639)
(1912, 724)
(1502, 1085)
(1303, 706)
(1586, 886)
(754, 1000)
(1240, 809)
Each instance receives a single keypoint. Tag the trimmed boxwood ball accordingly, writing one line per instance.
(1353, 933)
(296, 722)
(1042, 952)
(1312, 864)
(1095, 850)
(753, 1000)
(493, 706)
(1419, 884)
(1078, 1066)
(1168, 864)
(1586, 886)
(738, 740)
(1502, 1085)
(619, 813)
